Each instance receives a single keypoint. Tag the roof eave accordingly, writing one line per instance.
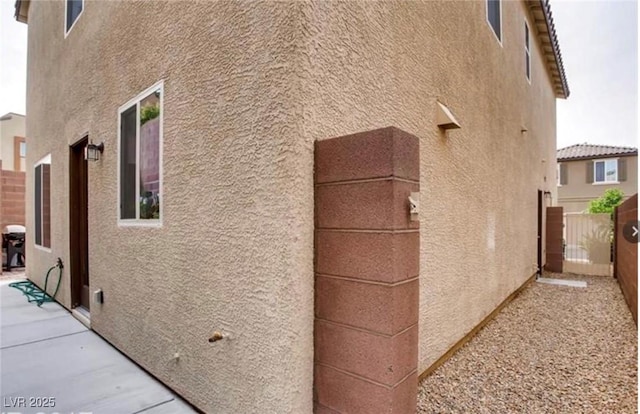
(21, 10)
(596, 157)
(541, 13)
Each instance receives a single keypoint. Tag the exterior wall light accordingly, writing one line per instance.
(92, 151)
(444, 118)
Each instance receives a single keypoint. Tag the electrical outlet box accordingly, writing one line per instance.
(98, 296)
(414, 206)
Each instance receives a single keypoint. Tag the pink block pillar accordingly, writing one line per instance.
(367, 268)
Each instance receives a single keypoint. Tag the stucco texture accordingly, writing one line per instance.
(576, 194)
(235, 252)
(373, 64)
(248, 88)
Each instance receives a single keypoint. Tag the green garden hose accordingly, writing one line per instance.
(33, 293)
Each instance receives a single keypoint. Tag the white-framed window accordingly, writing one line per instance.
(605, 171)
(494, 18)
(19, 153)
(558, 179)
(72, 11)
(42, 204)
(527, 51)
(563, 174)
(140, 159)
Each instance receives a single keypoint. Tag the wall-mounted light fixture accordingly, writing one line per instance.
(444, 118)
(92, 151)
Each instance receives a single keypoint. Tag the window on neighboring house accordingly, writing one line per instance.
(42, 205)
(607, 171)
(527, 52)
(563, 178)
(73, 10)
(494, 17)
(140, 146)
(19, 154)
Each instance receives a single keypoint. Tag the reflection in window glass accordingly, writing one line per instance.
(42, 207)
(74, 8)
(140, 140)
(150, 157)
(606, 171)
(611, 170)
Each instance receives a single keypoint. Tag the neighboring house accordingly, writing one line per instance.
(208, 229)
(13, 151)
(585, 171)
(13, 145)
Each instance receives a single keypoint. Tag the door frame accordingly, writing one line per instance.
(78, 240)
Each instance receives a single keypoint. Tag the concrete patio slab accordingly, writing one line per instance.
(20, 334)
(48, 353)
(170, 407)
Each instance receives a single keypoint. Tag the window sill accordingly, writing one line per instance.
(607, 183)
(42, 248)
(140, 223)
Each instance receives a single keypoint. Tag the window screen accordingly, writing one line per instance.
(42, 207)
(38, 205)
(140, 162)
(599, 172)
(128, 163)
(493, 16)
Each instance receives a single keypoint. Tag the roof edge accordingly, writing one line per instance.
(21, 10)
(10, 115)
(600, 156)
(553, 37)
(540, 11)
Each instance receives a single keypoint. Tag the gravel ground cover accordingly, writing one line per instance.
(553, 349)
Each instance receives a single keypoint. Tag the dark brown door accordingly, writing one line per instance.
(79, 226)
(540, 207)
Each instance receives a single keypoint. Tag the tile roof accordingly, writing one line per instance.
(10, 115)
(585, 151)
(546, 28)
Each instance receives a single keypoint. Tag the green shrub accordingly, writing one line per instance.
(605, 204)
(149, 112)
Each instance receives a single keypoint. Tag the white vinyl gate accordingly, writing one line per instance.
(587, 244)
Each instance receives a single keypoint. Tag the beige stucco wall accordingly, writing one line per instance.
(372, 64)
(9, 129)
(235, 252)
(576, 194)
(248, 88)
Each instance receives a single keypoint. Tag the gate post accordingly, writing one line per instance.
(554, 240)
(367, 267)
